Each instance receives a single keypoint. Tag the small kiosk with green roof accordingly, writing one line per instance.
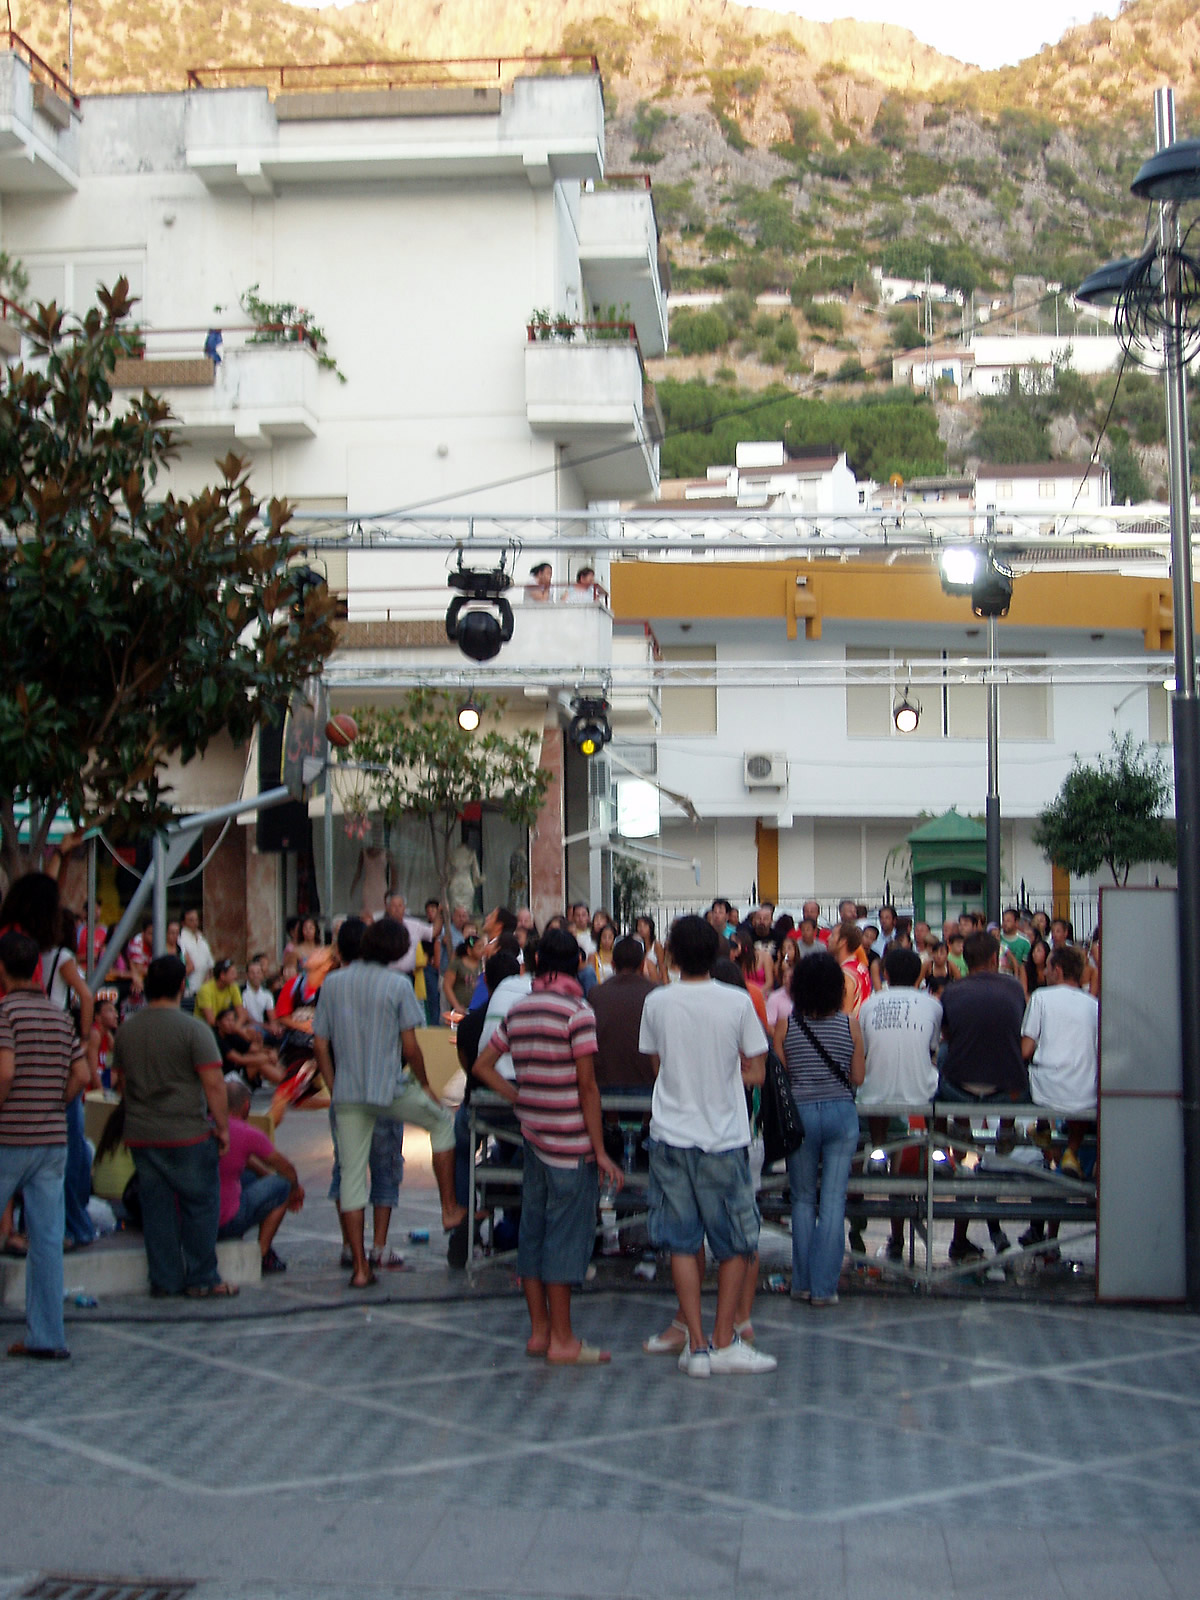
(949, 867)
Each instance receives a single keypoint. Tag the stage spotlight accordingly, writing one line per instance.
(906, 714)
(960, 564)
(590, 730)
(468, 715)
(479, 619)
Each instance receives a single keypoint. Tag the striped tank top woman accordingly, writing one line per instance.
(810, 1078)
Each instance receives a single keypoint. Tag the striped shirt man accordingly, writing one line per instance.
(546, 1034)
(43, 1041)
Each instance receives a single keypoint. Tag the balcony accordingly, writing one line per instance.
(39, 136)
(586, 390)
(367, 125)
(256, 393)
(619, 257)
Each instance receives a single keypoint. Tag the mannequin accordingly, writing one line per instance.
(465, 877)
(377, 869)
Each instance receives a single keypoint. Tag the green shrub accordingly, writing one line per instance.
(787, 340)
(764, 325)
(823, 315)
(719, 239)
(698, 333)
(890, 128)
(737, 308)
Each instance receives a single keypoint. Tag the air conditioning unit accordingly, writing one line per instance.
(766, 769)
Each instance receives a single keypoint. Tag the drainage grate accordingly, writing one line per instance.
(58, 1586)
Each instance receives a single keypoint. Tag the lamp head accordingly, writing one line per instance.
(960, 565)
(1172, 174)
(906, 714)
(590, 729)
(468, 715)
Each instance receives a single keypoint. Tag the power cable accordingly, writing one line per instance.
(821, 382)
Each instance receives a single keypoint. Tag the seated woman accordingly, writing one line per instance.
(823, 1049)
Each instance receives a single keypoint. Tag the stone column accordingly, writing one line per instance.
(263, 928)
(224, 915)
(547, 862)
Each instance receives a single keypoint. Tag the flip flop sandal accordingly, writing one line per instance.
(588, 1356)
(390, 1260)
(659, 1345)
(212, 1291)
(372, 1280)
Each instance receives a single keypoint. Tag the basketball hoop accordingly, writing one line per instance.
(354, 794)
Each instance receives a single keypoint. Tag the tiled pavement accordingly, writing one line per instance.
(903, 1447)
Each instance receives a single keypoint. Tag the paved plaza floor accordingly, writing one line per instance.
(903, 1447)
(305, 1442)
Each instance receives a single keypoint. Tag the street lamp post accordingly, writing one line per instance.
(1154, 295)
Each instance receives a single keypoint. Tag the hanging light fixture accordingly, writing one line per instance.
(469, 714)
(479, 619)
(590, 730)
(906, 713)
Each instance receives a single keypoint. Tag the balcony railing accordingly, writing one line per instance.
(432, 73)
(41, 71)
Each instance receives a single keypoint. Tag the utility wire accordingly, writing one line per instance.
(734, 413)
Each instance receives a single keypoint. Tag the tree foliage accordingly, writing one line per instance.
(132, 628)
(1110, 814)
(894, 431)
(433, 769)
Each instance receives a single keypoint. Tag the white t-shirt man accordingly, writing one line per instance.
(699, 1031)
(194, 944)
(1064, 1022)
(505, 996)
(257, 1003)
(900, 1028)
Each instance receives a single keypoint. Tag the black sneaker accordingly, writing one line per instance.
(895, 1250)
(272, 1263)
(1001, 1242)
(966, 1251)
(1034, 1234)
(858, 1245)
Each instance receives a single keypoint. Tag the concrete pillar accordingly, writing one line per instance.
(547, 862)
(263, 927)
(225, 894)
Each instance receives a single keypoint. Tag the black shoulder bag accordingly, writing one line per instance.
(778, 1120)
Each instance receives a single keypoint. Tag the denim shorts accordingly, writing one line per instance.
(558, 1220)
(386, 1162)
(693, 1193)
(260, 1196)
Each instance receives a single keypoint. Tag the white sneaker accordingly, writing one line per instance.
(739, 1358)
(695, 1363)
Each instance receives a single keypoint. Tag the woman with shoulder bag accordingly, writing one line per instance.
(823, 1050)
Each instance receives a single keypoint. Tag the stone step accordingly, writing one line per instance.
(116, 1265)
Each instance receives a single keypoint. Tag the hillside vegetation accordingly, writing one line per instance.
(793, 157)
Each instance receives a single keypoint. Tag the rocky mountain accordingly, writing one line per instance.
(788, 155)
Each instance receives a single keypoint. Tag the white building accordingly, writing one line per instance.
(423, 229)
(985, 365)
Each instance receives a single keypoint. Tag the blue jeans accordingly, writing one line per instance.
(181, 1207)
(818, 1240)
(260, 1196)
(37, 1170)
(78, 1181)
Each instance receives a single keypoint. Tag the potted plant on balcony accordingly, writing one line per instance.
(284, 322)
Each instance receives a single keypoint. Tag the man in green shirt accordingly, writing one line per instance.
(171, 1067)
(1011, 937)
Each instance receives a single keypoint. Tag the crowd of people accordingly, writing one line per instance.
(858, 1013)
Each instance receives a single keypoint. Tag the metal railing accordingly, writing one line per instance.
(162, 344)
(432, 72)
(41, 71)
(959, 1175)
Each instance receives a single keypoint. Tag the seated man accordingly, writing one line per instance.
(258, 1001)
(257, 1183)
(220, 993)
(245, 1054)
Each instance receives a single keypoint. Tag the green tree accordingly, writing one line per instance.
(431, 768)
(699, 332)
(131, 628)
(631, 891)
(1111, 814)
(1128, 480)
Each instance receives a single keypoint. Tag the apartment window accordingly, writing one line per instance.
(1004, 489)
(949, 710)
(1046, 489)
(687, 710)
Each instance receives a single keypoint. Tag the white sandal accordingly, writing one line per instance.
(387, 1258)
(660, 1344)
